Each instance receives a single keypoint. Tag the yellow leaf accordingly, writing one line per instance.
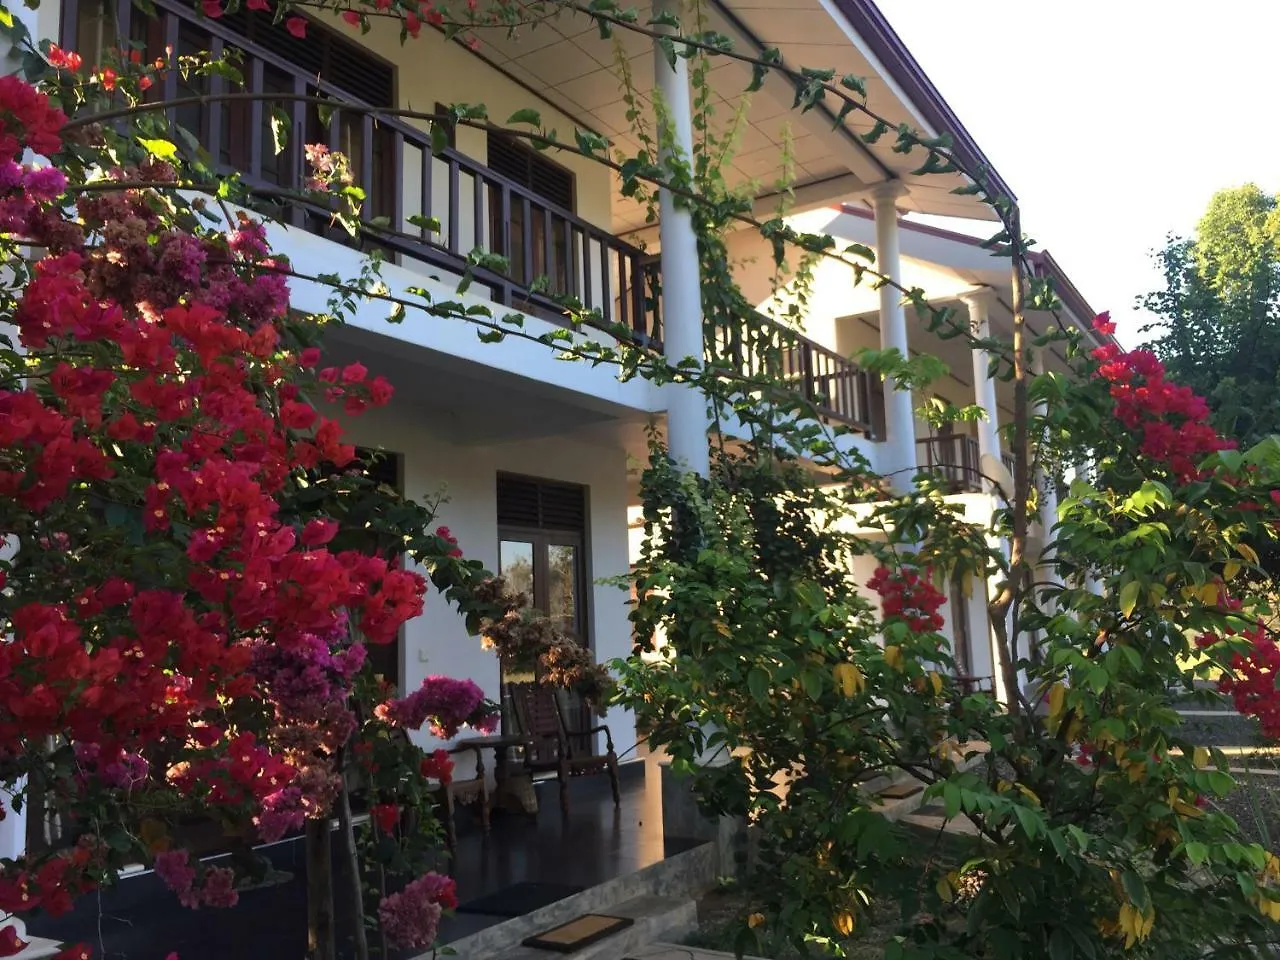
(1057, 700)
(893, 656)
(1201, 757)
(1230, 569)
(848, 678)
(935, 678)
(1209, 594)
(945, 891)
(844, 923)
(1248, 553)
(1028, 793)
(755, 920)
(722, 628)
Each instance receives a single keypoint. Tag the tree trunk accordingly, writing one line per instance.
(1000, 607)
(351, 862)
(320, 940)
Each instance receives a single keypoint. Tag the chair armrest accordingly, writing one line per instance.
(471, 748)
(602, 728)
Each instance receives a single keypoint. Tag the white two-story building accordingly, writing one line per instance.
(538, 457)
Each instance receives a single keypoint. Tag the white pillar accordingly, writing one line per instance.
(900, 458)
(1047, 483)
(687, 420)
(984, 387)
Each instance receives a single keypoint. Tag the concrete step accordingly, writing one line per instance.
(679, 878)
(656, 918)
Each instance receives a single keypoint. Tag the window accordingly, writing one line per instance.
(543, 178)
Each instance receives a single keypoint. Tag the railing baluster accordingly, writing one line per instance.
(455, 207)
(255, 119)
(624, 312)
(639, 321)
(479, 190)
(586, 268)
(124, 16)
(397, 181)
(171, 25)
(549, 255)
(428, 161)
(212, 132)
(366, 166)
(606, 298)
(526, 240)
(504, 204)
(570, 260)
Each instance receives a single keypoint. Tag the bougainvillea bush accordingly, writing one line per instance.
(188, 610)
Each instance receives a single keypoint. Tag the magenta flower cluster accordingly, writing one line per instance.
(447, 703)
(179, 875)
(411, 918)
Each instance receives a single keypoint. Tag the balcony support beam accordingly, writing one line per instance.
(898, 462)
(984, 387)
(687, 420)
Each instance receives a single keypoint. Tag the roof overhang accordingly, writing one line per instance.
(565, 62)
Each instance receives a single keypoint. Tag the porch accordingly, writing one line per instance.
(140, 919)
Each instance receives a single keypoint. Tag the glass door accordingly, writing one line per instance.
(547, 568)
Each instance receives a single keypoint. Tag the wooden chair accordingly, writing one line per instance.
(551, 743)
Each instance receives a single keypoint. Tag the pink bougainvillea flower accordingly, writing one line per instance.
(297, 26)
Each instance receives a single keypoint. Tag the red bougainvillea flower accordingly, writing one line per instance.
(909, 595)
(297, 26)
(64, 59)
(79, 951)
(385, 815)
(10, 943)
(437, 765)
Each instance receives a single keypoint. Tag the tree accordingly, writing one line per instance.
(1219, 326)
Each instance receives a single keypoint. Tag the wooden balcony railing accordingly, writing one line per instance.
(435, 207)
(954, 459)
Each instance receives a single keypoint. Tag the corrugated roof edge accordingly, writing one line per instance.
(870, 24)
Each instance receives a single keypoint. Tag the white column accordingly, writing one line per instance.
(984, 387)
(1048, 484)
(899, 459)
(687, 420)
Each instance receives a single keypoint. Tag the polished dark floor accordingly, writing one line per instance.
(141, 920)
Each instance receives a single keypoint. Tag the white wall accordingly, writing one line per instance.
(437, 642)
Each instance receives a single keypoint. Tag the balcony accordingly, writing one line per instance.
(428, 205)
(956, 461)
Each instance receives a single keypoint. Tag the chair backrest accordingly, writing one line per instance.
(537, 718)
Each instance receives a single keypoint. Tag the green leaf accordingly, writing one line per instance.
(855, 83)
(1135, 889)
(1196, 852)
(280, 124)
(1061, 946)
(758, 684)
(1129, 597)
(163, 149)
(951, 800)
(527, 115)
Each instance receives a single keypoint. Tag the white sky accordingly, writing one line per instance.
(1128, 116)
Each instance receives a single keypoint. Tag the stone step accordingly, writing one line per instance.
(676, 951)
(681, 877)
(656, 918)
